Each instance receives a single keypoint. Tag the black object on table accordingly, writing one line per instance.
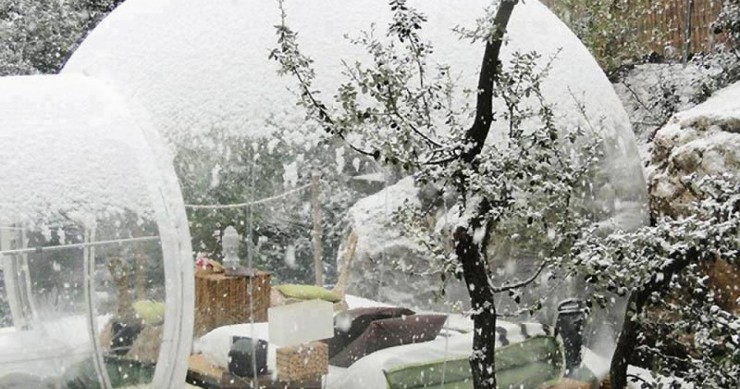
(241, 356)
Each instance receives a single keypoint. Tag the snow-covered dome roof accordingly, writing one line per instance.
(70, 147)
(198, 64)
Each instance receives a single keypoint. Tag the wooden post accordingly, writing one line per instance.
(120, 273)
(348, 255)
(318, 252)
(140, 259)
(687, 32)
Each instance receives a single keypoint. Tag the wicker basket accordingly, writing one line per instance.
(302, 362)
(223, 300)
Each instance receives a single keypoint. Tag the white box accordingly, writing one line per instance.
(300, 323)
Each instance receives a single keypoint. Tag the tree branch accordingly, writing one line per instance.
(489, 73)
(520, 284)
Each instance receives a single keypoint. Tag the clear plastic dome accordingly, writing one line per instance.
(246, 156)
(94, 247)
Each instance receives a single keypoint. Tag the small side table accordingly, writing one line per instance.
(223, 300)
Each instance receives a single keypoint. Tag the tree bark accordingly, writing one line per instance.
(475, 272)
(627, 339)
(474, 264)
(489, 73)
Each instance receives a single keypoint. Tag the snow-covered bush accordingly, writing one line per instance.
(37, 36)
(662, 266)
(728, 22)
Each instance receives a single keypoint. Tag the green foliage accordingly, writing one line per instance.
(612, 30)
(669, 258)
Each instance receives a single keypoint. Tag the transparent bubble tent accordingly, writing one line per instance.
(88, 204)
(167, 210)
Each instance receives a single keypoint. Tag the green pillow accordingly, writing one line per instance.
(308, 292)
(521, 365)
(151, 312)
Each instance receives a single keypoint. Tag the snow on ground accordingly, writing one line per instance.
(722, 109)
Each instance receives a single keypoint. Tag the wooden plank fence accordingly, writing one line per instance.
(667, 20)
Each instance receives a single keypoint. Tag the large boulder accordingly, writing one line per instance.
(702, 141)
(387, 265)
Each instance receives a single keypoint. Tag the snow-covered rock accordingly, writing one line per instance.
(381, 250)
(704, 140)
(652, 92)
(701, 141)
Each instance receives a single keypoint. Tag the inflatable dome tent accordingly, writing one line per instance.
(88, 203)
(186, 68)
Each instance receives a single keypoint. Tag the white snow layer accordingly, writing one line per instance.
(704, 139)
(723, 107)
(69, 147)
(199, 64)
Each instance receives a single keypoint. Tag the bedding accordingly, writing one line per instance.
(385, 333)
(368, 372)
(216, 344)
(351, 324)
(451, 347)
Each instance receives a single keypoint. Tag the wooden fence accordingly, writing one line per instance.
(667, 20)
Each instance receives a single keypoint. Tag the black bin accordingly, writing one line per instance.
(243, 350)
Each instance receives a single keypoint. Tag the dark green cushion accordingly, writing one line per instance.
(528, 364)
(122, 373)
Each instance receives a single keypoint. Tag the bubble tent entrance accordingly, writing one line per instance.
(138, 68)
(88, 202)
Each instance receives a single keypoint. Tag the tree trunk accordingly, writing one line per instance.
(475, 267)
(475, 271)
(638, 300)
(627, 340)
